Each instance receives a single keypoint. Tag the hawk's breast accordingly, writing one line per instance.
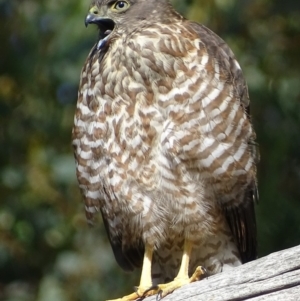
(160, 135)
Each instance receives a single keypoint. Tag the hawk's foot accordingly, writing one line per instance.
(163, 290)
(140, 294)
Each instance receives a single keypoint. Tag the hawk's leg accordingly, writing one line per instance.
(147, 289)
(146, 280)
(182, 277)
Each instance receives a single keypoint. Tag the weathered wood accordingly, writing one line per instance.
(274, 277)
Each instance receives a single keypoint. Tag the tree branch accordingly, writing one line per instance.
(274, 277)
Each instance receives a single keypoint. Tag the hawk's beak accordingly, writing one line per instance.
(94, 17)
(101, 22)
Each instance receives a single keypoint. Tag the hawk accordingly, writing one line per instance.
(164, 145)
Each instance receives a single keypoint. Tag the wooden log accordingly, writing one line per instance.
(270, 278)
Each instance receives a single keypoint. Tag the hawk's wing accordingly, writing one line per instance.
(241, 218)
(128, 258)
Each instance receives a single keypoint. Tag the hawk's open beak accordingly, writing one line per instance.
(100, 21)
(95, 16)
(105, 25)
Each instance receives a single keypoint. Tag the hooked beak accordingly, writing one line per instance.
(94, 17)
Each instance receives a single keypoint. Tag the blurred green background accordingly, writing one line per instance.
(47, 252)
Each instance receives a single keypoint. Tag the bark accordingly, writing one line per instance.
(274, 277)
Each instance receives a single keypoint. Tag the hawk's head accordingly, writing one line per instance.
(113, 16)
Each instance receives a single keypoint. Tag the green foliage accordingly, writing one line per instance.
(46, 250)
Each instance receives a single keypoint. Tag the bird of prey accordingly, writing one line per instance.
(164, 146)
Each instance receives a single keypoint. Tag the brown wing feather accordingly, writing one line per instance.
(127, 259)
(241, 218)
(242, 223)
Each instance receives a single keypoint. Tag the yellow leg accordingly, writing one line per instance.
(145, 281)
(182, 277)
(146, 289)
(184, 267)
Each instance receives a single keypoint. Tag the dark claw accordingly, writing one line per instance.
(205, 275)
(159, 295)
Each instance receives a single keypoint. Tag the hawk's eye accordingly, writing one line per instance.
(120, 6)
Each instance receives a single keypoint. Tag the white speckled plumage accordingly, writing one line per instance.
(162, 141)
